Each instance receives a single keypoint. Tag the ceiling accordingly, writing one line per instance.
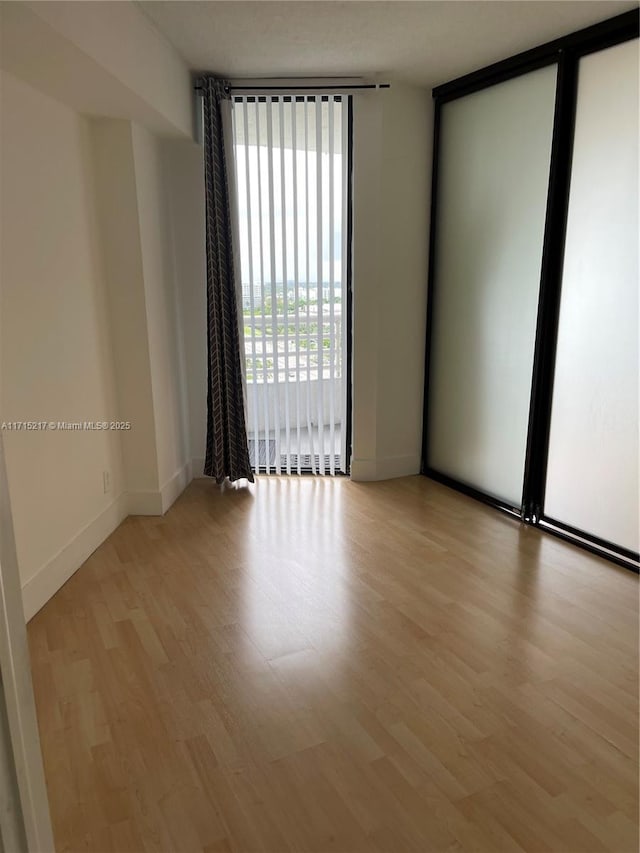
(422, 42)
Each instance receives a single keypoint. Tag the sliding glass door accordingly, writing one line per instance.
(531, 397)
(493, 171)
(292, 170)
(592, 474)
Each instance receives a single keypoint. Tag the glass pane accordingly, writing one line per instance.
(291, 160)
(493, 174)
(592, 481)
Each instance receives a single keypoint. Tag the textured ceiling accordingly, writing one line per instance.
(422, 42)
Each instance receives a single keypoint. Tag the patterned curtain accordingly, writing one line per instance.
(227, 454)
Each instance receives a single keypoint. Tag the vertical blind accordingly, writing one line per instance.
(291, 182)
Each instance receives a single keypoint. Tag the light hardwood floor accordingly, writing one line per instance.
(320, 665)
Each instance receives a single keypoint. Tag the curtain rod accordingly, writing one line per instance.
(328, 88)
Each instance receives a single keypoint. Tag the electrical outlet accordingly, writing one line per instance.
(106, 481)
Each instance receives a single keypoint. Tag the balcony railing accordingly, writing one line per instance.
(294, 348)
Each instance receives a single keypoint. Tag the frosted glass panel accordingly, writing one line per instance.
(493, 175)
(592, 480)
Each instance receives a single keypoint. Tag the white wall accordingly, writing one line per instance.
(117, 203)
(138, 258)
(184, 170)
(392, 171)
(128, 46)
(101, 58)
(392, 167)
(406, 191)
(90, 325)
(89, 331)
(162, 310)
(56, 358)
(368, 116)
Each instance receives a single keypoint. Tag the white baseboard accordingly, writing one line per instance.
(175, 486)
(157, 503)
(385, 468)
(49, 578)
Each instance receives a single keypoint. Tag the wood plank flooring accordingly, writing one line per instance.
(320, 665)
